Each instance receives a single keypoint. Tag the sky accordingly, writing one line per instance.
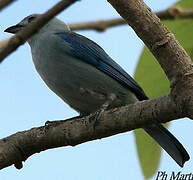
(26, 102)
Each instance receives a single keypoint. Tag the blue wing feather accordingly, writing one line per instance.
(93, 54)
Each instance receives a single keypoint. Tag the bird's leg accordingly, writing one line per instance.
(95, 116)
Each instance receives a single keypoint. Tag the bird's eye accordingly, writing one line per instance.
(30, 19)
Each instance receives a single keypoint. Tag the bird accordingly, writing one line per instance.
(85, 77)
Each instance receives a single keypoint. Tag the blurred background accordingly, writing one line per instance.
(26, 102)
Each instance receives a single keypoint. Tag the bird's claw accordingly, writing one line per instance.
(94, 117)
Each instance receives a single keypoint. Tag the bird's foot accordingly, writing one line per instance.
(97, 115)
(94, 117)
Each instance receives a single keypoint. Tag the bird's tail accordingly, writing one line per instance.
(168, 142)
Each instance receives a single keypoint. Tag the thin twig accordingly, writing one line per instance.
(101, 25)
(5, 3)
(3, 43)
(175, 13)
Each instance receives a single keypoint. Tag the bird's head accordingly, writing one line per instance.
(53, 25)
(22, 24)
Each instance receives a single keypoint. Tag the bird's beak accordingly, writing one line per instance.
(14, 29)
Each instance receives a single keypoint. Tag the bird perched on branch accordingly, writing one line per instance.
(86, 78)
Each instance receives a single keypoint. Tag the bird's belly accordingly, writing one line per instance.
(82, 86)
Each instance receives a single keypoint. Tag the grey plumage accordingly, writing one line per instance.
(83, 75)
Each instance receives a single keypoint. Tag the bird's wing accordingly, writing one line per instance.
(91, 53)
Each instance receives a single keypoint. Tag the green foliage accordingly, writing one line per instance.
(153, 80)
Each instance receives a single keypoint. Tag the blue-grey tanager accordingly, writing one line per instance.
(86, 78)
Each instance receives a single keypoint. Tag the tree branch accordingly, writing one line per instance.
(5, 3)
(99, 26)
(175, 12)
(102, 25)
(3, 44)
(18, 147)
(27, 32)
